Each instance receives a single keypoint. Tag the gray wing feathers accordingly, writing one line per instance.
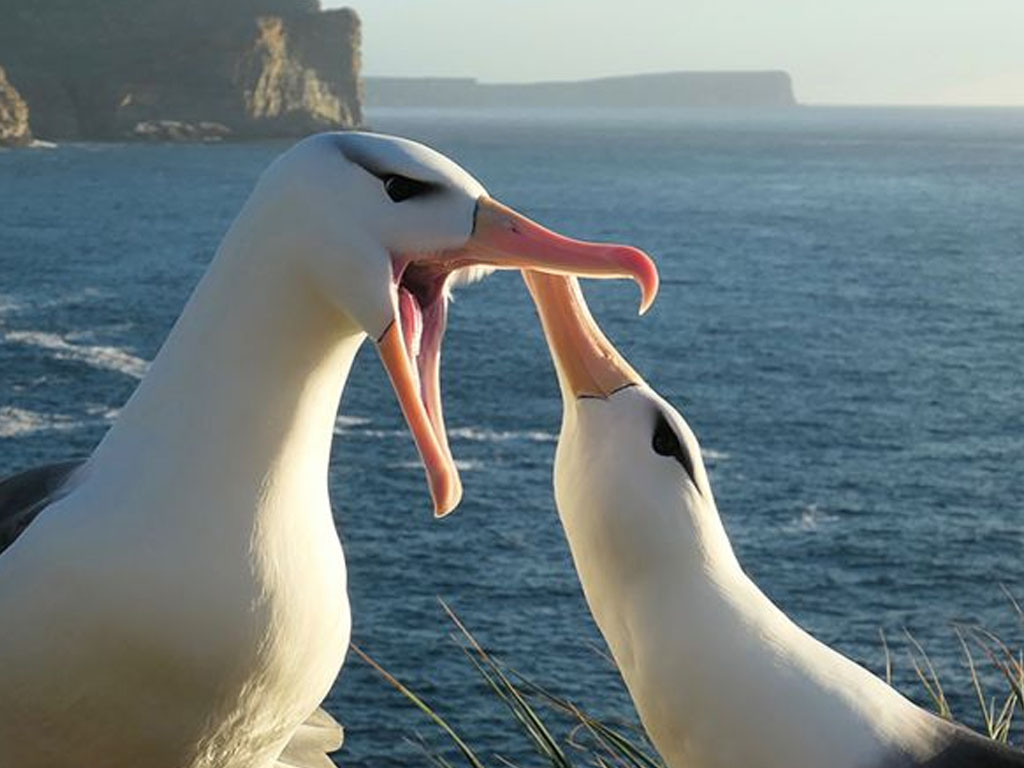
(967, 749)
(24, 495)
(961, 747)
(320, 735)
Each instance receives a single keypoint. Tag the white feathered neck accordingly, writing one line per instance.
(720, 676)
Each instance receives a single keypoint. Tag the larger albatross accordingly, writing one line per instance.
(720, 676)
(179, 600)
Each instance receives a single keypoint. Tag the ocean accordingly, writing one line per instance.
(840, 320)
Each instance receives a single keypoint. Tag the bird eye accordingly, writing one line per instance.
(665, 442)
(401, 188)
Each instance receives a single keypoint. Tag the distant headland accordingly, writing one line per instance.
(771, 88)
(207, 70)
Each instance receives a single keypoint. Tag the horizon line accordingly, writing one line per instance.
(589, 78)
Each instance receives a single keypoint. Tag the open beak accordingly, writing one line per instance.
(410, 348)
(504, 239)
(587, 363)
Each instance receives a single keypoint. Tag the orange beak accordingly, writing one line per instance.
(505, 239)
(588, 365)
(410, 347)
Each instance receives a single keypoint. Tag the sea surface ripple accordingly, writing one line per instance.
(840, 320)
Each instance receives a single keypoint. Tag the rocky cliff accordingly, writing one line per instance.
(14, 130)
(114, 69)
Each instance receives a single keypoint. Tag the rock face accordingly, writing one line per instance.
(182, 69)
(14, 129)
(664, 90)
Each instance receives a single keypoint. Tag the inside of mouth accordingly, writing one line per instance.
(420, 291)
(423, 313)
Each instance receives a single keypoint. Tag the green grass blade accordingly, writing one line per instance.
(931, 682)
(888, 657)
(424, 707)
(545, 742)
(987, 713)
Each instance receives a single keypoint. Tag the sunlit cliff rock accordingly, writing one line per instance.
(182, 69)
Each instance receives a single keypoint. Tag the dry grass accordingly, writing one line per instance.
(537, 714)
(1000, 710)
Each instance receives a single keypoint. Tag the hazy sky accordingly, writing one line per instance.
(838, 51)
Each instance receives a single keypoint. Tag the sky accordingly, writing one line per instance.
(838, 51)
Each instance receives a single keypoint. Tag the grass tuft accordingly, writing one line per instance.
(563, 735)
(1000, 712)
(538, 715)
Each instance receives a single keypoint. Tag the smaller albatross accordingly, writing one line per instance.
(179, 599)
(720, 676)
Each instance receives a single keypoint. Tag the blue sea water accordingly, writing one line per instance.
(840, 320)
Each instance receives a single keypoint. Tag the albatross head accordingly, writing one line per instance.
(628, 471)
(383, 227)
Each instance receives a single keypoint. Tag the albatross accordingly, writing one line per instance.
(178, 600)
(720, 677)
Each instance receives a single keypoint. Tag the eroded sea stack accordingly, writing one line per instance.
(14, 128)
(182, 69)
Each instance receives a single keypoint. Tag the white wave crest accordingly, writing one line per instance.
(478, 435)
(811, 518)
(462, 466)
(469, 434)
(379, 434)
(345, 423)
(101, 414)
(18, 422)
(98, 356)
(8, 304)
(710, 454)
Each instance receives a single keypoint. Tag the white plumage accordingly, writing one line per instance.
(179, 600)
(720, 676)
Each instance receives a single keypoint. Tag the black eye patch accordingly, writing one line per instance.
(398, 187)
(666, 442)
(401, 188)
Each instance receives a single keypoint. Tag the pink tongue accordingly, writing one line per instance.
(412, 322)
